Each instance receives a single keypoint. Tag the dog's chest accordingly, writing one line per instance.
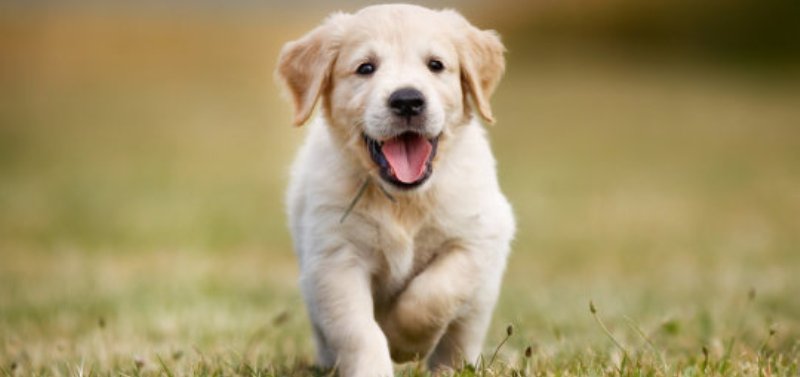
(403, 258)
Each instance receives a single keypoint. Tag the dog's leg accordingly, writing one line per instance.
(338, 293)
(463, 339)
(325, 357)
(461, 342)
(430, 302)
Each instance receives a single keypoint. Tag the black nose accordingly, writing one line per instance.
(407, 102)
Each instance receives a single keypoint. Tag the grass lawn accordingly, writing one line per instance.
(142, 229)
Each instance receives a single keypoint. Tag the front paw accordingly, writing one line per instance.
(369, 365)
(370, 358)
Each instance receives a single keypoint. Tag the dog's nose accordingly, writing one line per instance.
(407, 102)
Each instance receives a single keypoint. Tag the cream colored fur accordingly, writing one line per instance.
(408, 273)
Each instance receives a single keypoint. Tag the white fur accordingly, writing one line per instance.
(418, 276)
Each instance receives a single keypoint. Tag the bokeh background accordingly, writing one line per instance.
(651, 150)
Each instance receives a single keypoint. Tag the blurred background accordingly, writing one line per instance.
(651, 150)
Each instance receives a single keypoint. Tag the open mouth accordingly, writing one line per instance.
(404, 160)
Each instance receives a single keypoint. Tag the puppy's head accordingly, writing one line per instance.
(395, 81)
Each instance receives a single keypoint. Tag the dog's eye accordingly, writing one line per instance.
(435, 66)
(365, 69)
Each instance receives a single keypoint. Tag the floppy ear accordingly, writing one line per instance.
(482, 65)
(304, 66)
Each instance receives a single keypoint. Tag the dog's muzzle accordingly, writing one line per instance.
(405, 160)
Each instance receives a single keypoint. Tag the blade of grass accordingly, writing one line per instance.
(597, 319)
(633, 325)
(509, 332)
(164, 366)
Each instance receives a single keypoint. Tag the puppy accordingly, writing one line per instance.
(398, 222)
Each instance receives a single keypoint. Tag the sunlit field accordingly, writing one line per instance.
(143, 161)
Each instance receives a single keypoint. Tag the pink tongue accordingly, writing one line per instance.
(407, 155)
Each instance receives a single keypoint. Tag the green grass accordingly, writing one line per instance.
(142, 229)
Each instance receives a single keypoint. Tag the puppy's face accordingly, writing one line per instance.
(395, 80)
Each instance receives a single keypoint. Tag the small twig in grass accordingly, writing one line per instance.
(593, 310)
(633, 325)
(509, 332)
(764, 344)
(527, 360)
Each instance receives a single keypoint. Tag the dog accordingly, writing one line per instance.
(397, 219)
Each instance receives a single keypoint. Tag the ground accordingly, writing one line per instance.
(142, 229)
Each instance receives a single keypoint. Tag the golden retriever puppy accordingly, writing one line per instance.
(398, 222)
